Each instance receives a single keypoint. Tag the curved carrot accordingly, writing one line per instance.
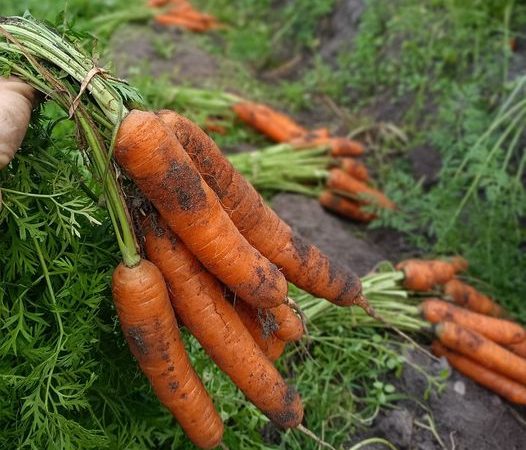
(506, 388)
(518, 349)
(344, 207)
(498, 330)
(467, 296)
(302, 263)
(152, 156)
(354, 168)
(340, 181)
(482, 350)
(198, 300)
(149, 325)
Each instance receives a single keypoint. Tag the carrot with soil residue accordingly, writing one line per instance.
(344, 207)
(198, 299)
(468, 297)
(149, 325)
(302, 263)
(153, 157)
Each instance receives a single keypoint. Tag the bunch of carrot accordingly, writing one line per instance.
(182, 14)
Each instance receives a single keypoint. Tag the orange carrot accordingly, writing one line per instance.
(518, 349)
(340, 181)
(354, 168)
(152, 156)
(149, 325)
(482, 350)
(423, 275)
(501, 385)
(344, 207)
(468, 297)
(459, 263)
(341, 147)
(498, 330)
(199, 301)
(302, 263)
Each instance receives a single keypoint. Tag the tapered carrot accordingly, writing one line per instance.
(482, 350)
(501, 385)
(149, 325)
(340, 181)
(152, 156)
(423, 275)
(459, 263)
(498, 330)
(518, 349)
(302, 263)
(344, 207)
(199, 301)
(354, 168)
(468, 297)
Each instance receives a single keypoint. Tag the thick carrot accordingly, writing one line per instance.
(482, 350)
(498, 330)
(501, 385)
(518, 349)
(149, 325)
(302, 263)
(152, 156)
(423, 275)
(341, 147)
(344, 207)
(340, 181)
(468, 297)
(199, 301)
(354, 168)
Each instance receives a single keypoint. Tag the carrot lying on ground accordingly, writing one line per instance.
(518, 349)
(344, 207)
(424, 274)
(302, 263)
(468, 297)
(340, 181)
(354, 168)
(198, 300)
(498, 330)
(339, 146)
(482, 350)
(501, 385)
(183, 14)
(152, 156)
(149, 325)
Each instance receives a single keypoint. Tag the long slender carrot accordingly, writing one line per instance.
(340, 181)
(302, 263)
(468, 297)
(152, 156)
(344, 207)
(149, 325)
(498, 330)
(423, 275)
(518, 349)
(501, 385)
(198, 300)
(354, 168)
(482, 350)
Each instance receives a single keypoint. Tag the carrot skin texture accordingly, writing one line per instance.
(344, 207)
(482, 350)
(468, 297)
(149, 325)
(501, 385)
(152, 156)
(302, 263)
(198, 299)
(354, 168)
(498, 330)
(518, 349)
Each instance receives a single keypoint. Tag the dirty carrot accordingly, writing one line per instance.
(518, 349)
(340, 181)
(354, 168)
(468, 297)
(344, 207)
(302, 263)
(498, 330)
(152, 156)
(199, 301)
(149, 325)
(423, 275)
(482, 350)
(501, 385)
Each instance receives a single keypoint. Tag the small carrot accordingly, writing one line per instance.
(341, 147)
(149, 325)
(498, 330)
(354, 168)
(344, 207)
(340, 181)
(198, 299)
(302, 263)
(423, 275)
(468, 297)
(482, 350)
(152, 156)
(518, 349)
(501, 385)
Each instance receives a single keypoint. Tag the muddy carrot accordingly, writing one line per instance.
(149, 325)
(344, 207)
(501, 385)
(152, 156)
(482, 350)
(498, 330)
(468, 297)
(302, 263)
(354, 168)
(198, 299)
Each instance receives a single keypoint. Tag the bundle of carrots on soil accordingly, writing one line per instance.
(181, 13)
(216, 254)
